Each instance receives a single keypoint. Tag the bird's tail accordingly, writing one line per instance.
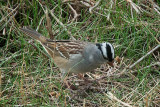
(34, 34)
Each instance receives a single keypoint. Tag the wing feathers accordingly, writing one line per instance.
(63, 47)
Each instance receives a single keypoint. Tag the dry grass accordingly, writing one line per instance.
(29, 77)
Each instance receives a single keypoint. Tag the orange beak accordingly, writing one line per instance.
(111, 63)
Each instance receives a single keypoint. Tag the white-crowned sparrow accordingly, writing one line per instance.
(74, 56)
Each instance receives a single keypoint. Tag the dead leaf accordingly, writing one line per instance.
(118, 59)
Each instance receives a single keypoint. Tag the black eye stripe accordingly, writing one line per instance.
(99, 47)
(109, 53)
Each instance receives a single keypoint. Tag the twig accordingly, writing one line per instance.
(158, 46)
(74, 12)
(108, 16)
(136, 7)
(41, 5)
(64, 1)
(64, 27)
(40, 23)
(155, 7)
(30, 42)
(84, 103)
(157, 63)
(49, 25)
(90, 2)
(132, 12)
(91, 8)
(86, 4)
(100, 14)
(112, 97)
(130, 67)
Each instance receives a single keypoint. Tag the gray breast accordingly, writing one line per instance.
(90, 59)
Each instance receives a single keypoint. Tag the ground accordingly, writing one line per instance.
(28, 76)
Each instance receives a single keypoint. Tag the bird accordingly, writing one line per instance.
(74, 56)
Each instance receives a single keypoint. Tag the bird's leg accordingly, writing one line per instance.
(66, 83)
(80, 76)
(88, 81)
(69, 85)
